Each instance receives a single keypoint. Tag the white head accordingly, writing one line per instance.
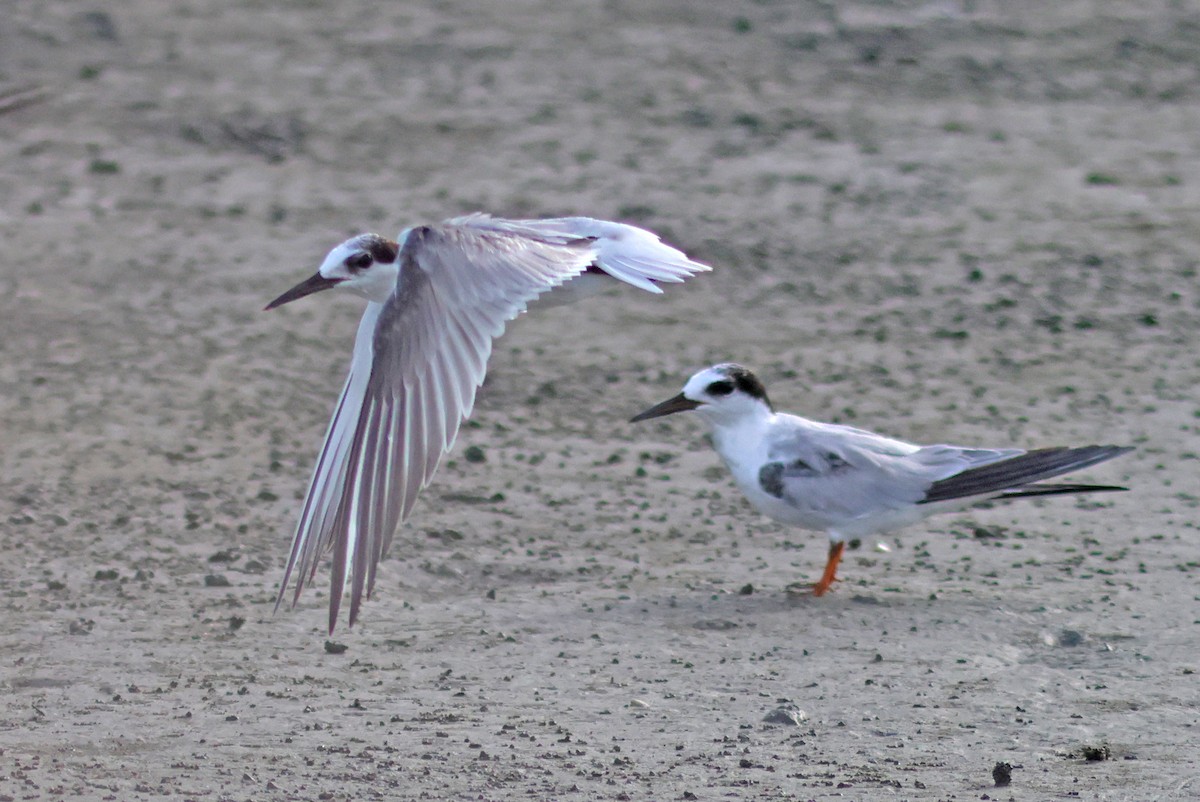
(721, 394)
(367, 265)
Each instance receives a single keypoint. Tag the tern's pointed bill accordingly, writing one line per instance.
(678, 403)
(852, 483)
(438, 296)
(314, 283)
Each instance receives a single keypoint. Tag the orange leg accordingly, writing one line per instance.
(835, 556)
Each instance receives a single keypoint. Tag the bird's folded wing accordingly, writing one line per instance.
(845, 473)
(1017, 471)
(418, 361)
(838, 472)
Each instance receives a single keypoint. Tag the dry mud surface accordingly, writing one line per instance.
(968, 222)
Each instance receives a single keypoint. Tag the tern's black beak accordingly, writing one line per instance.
(679, 403)
(315, 283)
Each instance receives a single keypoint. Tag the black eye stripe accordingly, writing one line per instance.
(720, 388)
(359, 261)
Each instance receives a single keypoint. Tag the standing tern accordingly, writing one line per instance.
(438, 296)
(851, 483)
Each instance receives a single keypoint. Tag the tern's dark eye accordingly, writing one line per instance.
(359, 261)
(720, 388)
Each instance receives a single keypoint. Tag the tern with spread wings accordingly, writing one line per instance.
(437, 297)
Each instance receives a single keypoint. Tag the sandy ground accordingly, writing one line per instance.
(971, 222)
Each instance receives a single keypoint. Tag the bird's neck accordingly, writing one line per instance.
(382, 283)
(740, 440)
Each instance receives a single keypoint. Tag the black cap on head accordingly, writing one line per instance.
(381, 249)
(745, 381)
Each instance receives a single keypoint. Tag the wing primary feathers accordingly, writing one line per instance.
(350, 518)
(305, 542)
(366, 504)
(364, 564)
(337, 581)
(1015, 472)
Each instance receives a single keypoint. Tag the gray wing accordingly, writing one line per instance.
(837, 480)
(842, 473)
(1019, 473)
(418, 360)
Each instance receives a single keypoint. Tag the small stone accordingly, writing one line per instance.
(788, 716)
(216, 581)
(96, 25)
(335, 648)
(1070, 637)
(1002, 774)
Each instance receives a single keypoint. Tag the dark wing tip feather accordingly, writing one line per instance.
(1059, 490)
(1016, 472)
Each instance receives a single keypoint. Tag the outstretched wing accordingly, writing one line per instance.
(628, 253)
(418, 360)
